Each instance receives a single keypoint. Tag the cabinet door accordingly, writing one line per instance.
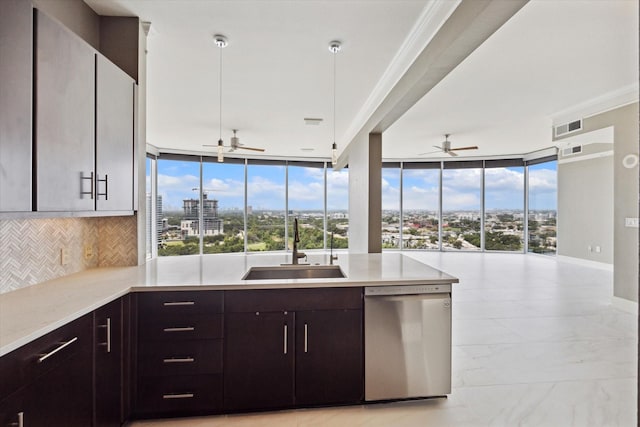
(65, 118)
(258, 363)
(16, 53)
(114, 137)
(329, 357)
(108, 364)
(62, 397)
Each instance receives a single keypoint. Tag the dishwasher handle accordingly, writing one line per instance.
(409, 297)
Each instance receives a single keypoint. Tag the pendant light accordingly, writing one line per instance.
(221, 42)
(334, 47)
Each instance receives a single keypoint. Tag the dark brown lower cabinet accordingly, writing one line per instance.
(259, 360)
(108, 365)
(281, 352)
(55, 377)
(329, 358)
(178, 353)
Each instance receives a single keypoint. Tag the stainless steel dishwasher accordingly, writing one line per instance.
(407, 341)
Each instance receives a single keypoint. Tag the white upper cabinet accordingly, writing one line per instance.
(84, 126)
(114, 137)
(16, 57)
(64, 119)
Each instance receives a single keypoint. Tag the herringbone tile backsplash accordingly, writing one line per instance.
(30, 248)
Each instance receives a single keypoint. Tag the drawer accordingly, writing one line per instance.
(159, 358)
(180, 327)
(293, 299)
(25, 364)
(179, 395)
(180, 302)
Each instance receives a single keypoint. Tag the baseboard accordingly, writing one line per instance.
(625, 305)
(585, 262)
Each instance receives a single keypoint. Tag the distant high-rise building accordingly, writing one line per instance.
(159, 214)
(190, 223)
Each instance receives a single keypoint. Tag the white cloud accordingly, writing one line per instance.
(420, 198)
(543, 180)
(174, 189)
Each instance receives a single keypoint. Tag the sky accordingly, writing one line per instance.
(266, 187)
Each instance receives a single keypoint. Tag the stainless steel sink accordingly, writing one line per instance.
(294, 272)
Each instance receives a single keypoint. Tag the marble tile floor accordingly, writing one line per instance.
(536, 342)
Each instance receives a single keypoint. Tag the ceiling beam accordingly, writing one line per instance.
(472, 22)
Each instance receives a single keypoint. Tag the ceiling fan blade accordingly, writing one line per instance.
(452, 154)
(251, 148)
(465, 148)
(430, 152)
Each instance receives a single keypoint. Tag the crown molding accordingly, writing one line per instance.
(608, 101)
(433, 16)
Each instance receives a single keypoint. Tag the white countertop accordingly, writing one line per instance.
(29, 313)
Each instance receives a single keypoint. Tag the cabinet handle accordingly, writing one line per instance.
(45, 356)
(108, 335)
(285, 338)
(173, 304)
(90, 178)
(306, 336)
(20, 422)
(179, 360)
(106, 187)
(178, 396)
(181, 329)
(108, 327)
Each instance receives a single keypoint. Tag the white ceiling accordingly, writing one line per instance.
(277, 70)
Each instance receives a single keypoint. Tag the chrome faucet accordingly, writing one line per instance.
(296, 239)
(331, 256)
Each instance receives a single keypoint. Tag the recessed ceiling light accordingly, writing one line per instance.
(312, 121)
(307, 149)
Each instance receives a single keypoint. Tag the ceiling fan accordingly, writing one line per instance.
(236, 145)
(446, 148)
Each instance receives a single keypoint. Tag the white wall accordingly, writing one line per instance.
(625, 195)
(585, 203)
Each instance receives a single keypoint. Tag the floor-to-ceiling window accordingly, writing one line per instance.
(543, 205)
(306, 203)
(178, 188)
(223, 200)
(420, 205)
(391, 229)
(338, 208)
(470, 193)
(266, 205)
(504, 205)
(461, 205)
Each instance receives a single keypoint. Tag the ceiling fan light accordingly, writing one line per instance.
(220, 151)
(334, 154)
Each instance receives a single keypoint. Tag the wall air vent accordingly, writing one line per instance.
(569, 151)
(566, 128)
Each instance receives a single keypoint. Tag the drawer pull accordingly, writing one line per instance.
(183, 329)
(44, 357)
(179, 360)
(178, 396)
(176, 303)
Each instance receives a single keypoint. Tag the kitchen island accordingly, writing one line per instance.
(31, 312)
(190, 335)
